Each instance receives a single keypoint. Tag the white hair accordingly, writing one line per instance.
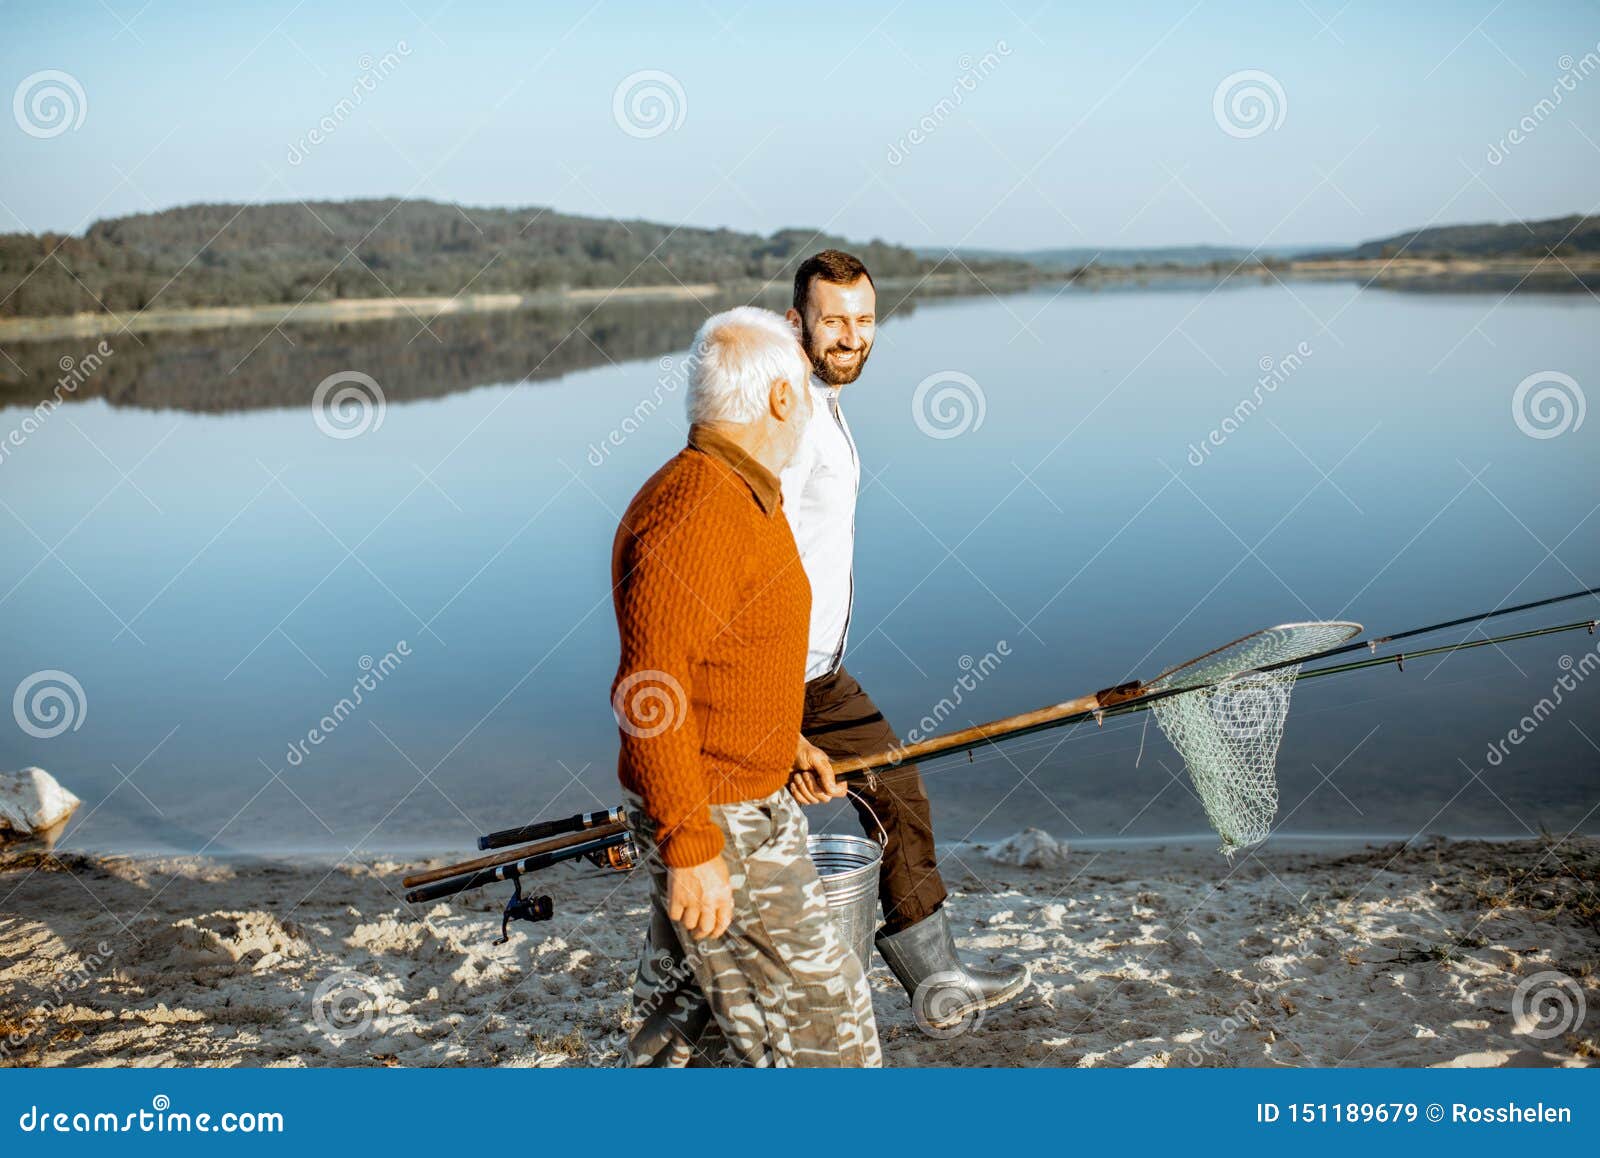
(737, 356)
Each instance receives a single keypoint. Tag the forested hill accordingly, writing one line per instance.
(1561, 236)
(212, 255)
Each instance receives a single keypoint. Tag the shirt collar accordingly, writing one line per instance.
(823, 388)
(762, 482)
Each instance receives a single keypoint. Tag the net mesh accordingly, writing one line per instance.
(1229, 727)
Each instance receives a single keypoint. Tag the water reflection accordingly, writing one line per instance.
(255, 367)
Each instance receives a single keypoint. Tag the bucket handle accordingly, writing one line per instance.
(883, 835)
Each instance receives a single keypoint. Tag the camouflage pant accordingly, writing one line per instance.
(779, 988)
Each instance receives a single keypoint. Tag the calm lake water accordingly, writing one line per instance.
(212, 568)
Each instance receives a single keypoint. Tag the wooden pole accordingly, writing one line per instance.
(993, 730)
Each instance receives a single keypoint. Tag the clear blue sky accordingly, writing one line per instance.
(1095, 126)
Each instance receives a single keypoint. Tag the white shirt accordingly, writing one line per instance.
(819, 495)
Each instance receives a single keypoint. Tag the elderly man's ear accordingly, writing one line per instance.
(783, 400)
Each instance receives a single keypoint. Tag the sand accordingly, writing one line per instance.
(1434, 954)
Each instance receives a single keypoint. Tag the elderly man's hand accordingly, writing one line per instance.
(812, 781)
(701, 898)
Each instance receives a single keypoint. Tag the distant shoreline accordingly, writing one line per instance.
(1384, 270)
(427, 308)
(1573, 274)
(343, 310)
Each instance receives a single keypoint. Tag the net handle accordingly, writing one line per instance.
(1084, 707)
(1163, 682)
(966, 738)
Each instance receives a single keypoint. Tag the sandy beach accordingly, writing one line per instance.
(1436, 953)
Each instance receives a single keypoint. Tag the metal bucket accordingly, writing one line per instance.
(848, 867)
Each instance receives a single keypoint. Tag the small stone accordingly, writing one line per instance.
(32, 803)
(1030, 848)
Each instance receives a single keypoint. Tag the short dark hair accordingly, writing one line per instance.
(831, 265)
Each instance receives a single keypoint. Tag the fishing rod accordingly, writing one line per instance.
(983, 734)
(1399, 658)
(1147, 695)
(1145, 703)
(612, 850)
(539, 830)
(608, 844)
(1372, 644)
(1096, 706)
(562, 843)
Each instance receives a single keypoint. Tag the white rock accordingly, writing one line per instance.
(31, 801)
(1030, 848)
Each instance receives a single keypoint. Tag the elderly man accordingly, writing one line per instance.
(835, 314)
(712, 609)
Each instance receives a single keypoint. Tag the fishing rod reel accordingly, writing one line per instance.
(601, 838)
(620, 856)
(520, 908)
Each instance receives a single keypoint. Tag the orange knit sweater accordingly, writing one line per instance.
(713, 610)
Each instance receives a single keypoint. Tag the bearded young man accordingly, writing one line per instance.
(835, 314)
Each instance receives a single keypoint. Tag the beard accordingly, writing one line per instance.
(826, 366)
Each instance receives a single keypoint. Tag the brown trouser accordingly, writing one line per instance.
(842, 720)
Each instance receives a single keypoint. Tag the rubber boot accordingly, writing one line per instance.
(945, 994)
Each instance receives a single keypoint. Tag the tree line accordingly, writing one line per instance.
(232, 255)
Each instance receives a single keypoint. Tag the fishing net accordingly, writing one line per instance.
(1229, 727)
